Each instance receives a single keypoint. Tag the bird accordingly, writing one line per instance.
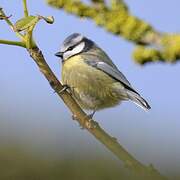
(93, 79)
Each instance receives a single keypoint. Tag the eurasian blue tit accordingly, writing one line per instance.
(94, 80)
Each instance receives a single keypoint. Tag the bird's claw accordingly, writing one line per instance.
(65, 87)
(90, 116)
(89, 123)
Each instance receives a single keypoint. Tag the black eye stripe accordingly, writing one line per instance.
(88, 45)
(72, 47)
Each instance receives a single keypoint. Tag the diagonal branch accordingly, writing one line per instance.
(82, 118)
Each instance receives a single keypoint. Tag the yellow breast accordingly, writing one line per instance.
(77, 73)
(91, 87)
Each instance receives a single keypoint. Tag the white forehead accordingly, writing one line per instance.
(71, 40)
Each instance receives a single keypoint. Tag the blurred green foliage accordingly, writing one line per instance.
(19, 164)
(115, 17)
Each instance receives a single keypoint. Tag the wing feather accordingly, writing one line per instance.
(113, 72)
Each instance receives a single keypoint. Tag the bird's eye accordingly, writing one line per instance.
(70, 48)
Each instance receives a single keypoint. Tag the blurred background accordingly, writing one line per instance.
(39, 140)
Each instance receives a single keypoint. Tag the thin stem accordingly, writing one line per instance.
(30, 43)
(25, 8)
(14, 43)
(29, 32)
(11, 24)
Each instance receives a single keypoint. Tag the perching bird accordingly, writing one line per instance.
(95, 82)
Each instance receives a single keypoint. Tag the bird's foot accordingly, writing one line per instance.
(65, 87)
(89, 123)
(90, 116)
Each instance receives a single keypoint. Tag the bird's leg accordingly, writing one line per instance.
(90, 116)
(65, 87)
(89, 124)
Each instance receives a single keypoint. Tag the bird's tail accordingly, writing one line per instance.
(138, 100)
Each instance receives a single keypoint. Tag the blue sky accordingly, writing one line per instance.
(32, 114)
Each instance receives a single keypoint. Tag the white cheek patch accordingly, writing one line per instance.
(77, 49)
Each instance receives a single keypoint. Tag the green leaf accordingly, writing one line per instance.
(26, 22)
(31, 21)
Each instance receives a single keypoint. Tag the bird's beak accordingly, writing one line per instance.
(59, 54)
